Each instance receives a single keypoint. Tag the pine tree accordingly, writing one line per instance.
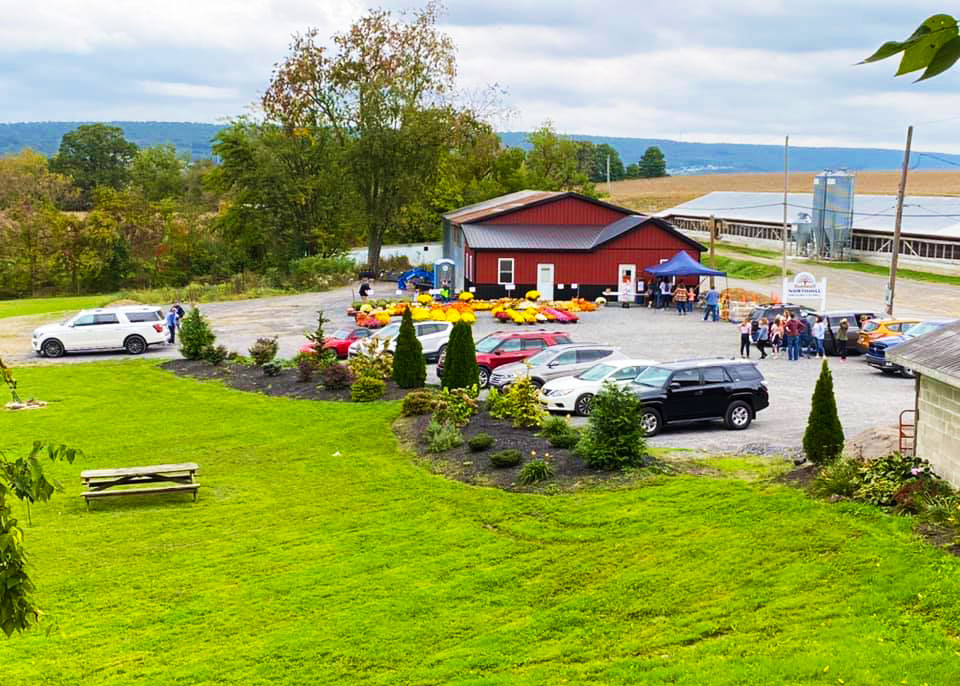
(195, 335)
(460, 369)
(409, 368)
(823, 439)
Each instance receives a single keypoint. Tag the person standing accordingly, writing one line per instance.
(172, 324)
(761, 337)
(792, 329)
(665, 294)
(744, 328)
(680, 299)
(712, 302)
(180, 313)
(691, 297)
(841, 339)
(776, 336)
(365, 289)
(819, 331)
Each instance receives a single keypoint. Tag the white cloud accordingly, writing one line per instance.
(187, 90)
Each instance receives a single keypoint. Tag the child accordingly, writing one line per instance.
(776, 337)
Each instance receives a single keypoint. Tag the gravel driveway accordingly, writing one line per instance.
(865, 397)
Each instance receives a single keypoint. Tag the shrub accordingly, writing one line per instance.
(883, 477)
(215, 354)
(840, 478)
(442, 436)
(272, 369)
(942, 509)
(480, 442)
(613, 437)
(419, 402)
(373, 361)
(409, 368)
(305, 370)
(497, 404)
(367, 389)
(505, 458)
(195, 335)
(455, 406)
(320, 273)
(522, 406)
(336, 377)
(460, 365)
(823, 438)
(535, 470)
(263, 351)
(914, 495)
(559, 433)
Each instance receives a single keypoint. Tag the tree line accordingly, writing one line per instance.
(366, 142)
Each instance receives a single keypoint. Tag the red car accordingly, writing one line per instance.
(506, 347)
(340, 341)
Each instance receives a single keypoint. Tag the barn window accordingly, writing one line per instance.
(505, 270)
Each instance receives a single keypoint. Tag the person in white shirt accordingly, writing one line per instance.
(819, 330)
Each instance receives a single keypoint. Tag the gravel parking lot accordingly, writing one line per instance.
(865, 397)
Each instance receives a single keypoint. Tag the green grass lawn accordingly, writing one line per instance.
(746, 250)
(743, 269)
(24, 306)
(910, 274)
(320, 553)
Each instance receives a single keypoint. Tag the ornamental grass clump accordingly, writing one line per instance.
(535, 470)
(442, 436)
(409, 367)
(613, 438)
(196, 336)
(460, 368)
(823, 438)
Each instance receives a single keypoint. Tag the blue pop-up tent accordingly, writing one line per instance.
(682, 264)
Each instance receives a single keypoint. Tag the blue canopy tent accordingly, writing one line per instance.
(682, 264)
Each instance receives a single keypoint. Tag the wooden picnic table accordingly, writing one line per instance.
(178, 478)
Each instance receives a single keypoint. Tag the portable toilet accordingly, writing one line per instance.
(444, 271)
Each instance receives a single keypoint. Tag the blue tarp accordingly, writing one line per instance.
(682, 264)
(422, 275)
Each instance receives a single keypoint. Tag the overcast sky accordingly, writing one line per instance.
(744, 71)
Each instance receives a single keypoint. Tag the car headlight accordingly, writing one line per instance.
(560, 392)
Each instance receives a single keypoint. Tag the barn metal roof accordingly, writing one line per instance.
(923, 215)
(935, 354)
(499, 204)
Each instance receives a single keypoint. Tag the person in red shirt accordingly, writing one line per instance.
(792, 330)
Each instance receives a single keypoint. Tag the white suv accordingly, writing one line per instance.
(132, 328)
(433, 337)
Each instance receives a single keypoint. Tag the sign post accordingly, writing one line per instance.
(804, 286)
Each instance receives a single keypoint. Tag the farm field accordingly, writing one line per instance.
(30, 306)
(321, 552)
(653, 195)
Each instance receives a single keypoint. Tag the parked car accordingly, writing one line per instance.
(771, 311)
(693, 390)
(433, 337)
(877, 353)
(575, 393)
(832, 320)
(133, 328)
(554, 362)
(506, 347)
(881, 328)
(341, 340)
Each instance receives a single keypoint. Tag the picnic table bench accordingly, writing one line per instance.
(177, 478)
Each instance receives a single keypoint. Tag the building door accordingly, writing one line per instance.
(627, 282)
(545, 281)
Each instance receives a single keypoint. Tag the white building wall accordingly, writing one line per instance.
(938, 428)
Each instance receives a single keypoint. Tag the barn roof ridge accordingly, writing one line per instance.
(521, 200)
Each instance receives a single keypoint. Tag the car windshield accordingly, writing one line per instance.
(596, 372)
(870, 326)
(654, 377)
(388, 330)
(541, 357)
(341, 333)
(487, 345)
(922, 328)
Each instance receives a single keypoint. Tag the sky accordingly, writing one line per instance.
(744, 71)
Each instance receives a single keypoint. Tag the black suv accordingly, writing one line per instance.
(771, 312)
(693, 390)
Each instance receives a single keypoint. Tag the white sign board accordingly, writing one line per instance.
(804, 286)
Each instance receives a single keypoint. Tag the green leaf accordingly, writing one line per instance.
(942, 29)
(886, 50)
(945, 58)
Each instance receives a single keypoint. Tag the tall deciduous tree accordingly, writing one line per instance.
(653, 164)
(552, 163)
(157, 172)
(95, 155)
(385, 92)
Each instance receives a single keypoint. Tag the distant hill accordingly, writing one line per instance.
(44, 136)
(713, 158)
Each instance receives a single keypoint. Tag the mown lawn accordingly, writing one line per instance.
(321, 553)
(25, 306)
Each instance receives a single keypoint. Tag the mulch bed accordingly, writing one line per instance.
(462, 464)
(249, 378)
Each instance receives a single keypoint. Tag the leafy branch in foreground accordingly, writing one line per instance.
(24, 480)
(934, 46)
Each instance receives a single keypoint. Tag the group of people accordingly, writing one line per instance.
(797, 335)
(174, 315)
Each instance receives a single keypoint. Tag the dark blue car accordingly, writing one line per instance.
(877, 354)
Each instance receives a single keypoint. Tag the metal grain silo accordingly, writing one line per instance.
(833, 213)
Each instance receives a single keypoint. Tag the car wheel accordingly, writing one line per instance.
(441, 351)
(584, 405)
(135, 345)
(888, 372)
(537, 383)
(907, 372)
(52, 348)
(484, 377)
(650, 421)
(738, 415)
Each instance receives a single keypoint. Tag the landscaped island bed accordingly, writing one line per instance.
(321, 552)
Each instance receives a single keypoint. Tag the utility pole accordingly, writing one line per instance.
(786, 188)
(609, 188)
(713, 234)
(891, 287)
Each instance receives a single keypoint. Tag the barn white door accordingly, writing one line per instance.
(545, 281)
(626, 282)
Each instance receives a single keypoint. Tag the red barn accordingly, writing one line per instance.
(559, 243)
